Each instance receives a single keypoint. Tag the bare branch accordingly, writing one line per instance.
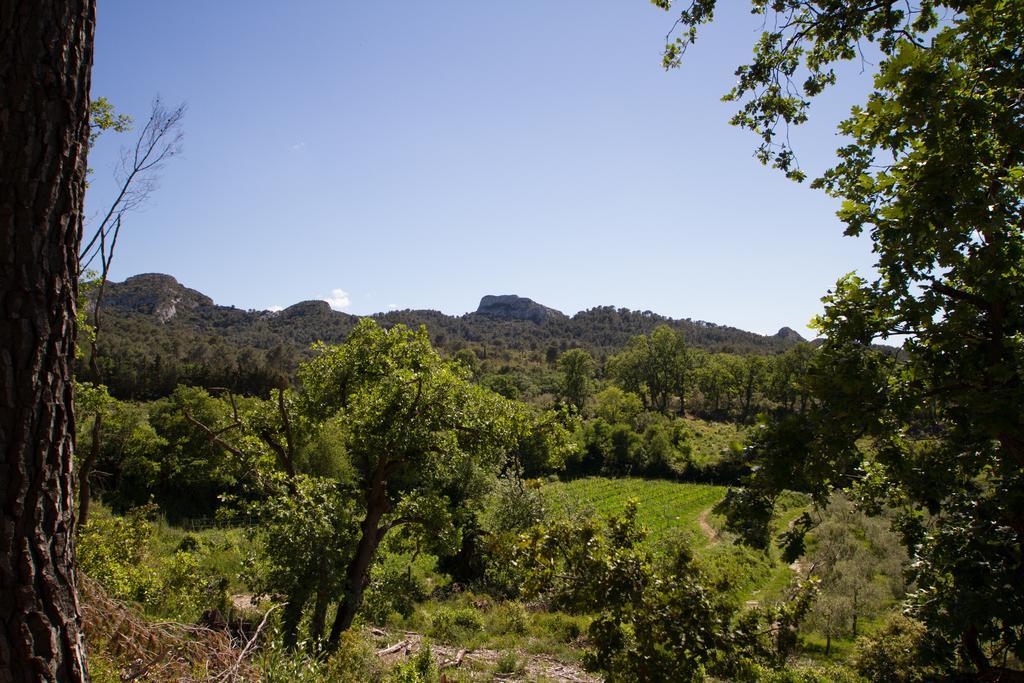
(159, 140)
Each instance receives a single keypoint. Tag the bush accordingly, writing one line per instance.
(420, 669)
(354, 661)
(828, 674)
(893, 653)
(450, 624)
(392, 588)
(113, 551)
(509, 617)
(508, 663)
(116, 552)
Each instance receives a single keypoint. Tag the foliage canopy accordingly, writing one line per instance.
(933, 173)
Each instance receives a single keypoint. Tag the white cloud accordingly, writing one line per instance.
(275, 309)
(297, 146)
(392, 307)
(339, 299)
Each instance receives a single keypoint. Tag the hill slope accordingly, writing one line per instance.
(161, 333)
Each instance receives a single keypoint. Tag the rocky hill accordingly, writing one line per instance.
(512, 307)
(158, 332)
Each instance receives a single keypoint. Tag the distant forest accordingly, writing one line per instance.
(158, 334)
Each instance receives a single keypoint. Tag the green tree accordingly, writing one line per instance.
(423, 441)
(787, 385)
(653, 621)
(577, 369)
(615, 405)
(859, 563)
(307, 528)
(383, 436)
(656, 367)
(933, 171)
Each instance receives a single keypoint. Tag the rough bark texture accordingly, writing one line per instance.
(358, 573)
(45, 63)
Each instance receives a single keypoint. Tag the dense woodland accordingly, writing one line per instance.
(163, 334)
(413, 497)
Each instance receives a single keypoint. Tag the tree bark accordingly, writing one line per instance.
(85, 471)
(45, 64)
(320, 604)
(291, 616)
(972, 649)
(358, 572)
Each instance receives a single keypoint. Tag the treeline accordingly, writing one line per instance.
(629, 415)
(158, 334)
(633, 408)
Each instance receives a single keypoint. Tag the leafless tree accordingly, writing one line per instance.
(137, 175)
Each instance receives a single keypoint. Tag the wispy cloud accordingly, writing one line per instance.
(275, 309)
(297, 146)
(338, 299)
(392, 307)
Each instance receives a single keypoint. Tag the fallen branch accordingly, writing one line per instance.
(393, 649)
(453, 663)
(229, 674)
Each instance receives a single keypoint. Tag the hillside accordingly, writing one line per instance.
(162, 332)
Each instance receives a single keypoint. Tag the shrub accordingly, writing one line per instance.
(893, 653)
(419, 669)
(392, 588)
(828, 674)
(509, 617)
(450, 624)
(508, 663)
(354, 661)
(116, 552)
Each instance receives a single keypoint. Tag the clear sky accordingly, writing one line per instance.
(422, 154)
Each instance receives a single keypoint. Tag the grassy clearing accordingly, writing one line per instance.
(713, 441)
(220, 550)
(669, 510)
(672, 513)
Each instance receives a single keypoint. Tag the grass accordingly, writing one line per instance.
(476, 621)
(669, 510)
(220, 550)
(713, 441)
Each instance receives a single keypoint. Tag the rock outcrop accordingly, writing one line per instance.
(154, 294)
(790, 335)
(512, 307)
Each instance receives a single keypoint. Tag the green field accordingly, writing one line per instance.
(672, 511)
(667, 509)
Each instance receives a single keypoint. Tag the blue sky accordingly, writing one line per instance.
(421, 155)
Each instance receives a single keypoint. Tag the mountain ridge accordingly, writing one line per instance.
(136, 294)
(158, 333)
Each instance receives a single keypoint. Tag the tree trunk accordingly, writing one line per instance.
(322, 602)
(972, 649)
(290, 618)
(85, 471)
(358, 572)
(45, 64)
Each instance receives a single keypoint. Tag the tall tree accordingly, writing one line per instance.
(420, 437)
(934, 171)
(655, 367)
(159, 140)
(577, 368)
(420, 443)
(45, 65)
